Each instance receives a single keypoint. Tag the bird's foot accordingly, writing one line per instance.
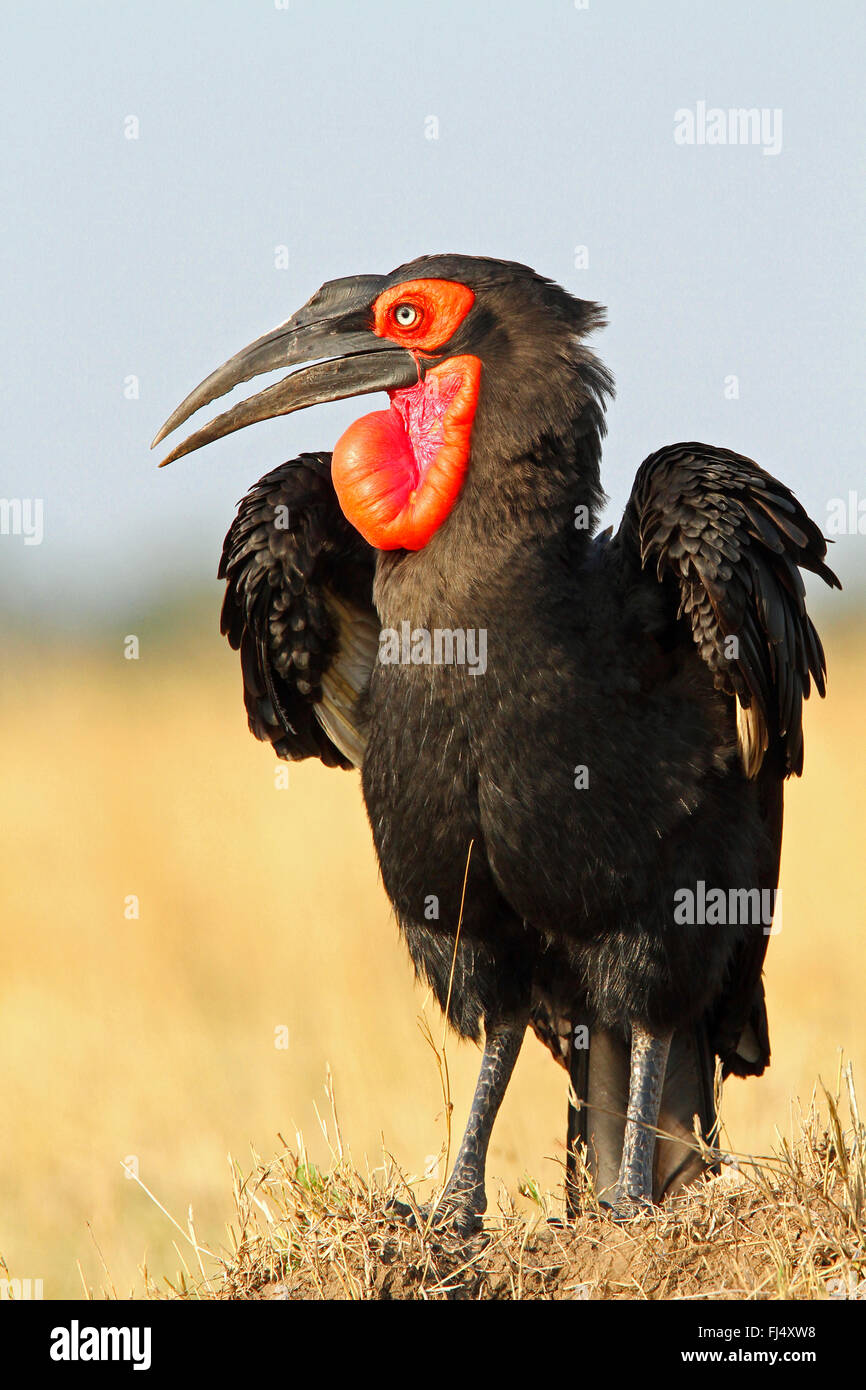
(460, 1210)
(621, 1205)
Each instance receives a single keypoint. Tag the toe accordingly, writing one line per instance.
(450, 1214)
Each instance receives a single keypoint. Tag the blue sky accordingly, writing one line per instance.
(306, 128)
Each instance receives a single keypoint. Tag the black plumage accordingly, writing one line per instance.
(640, 709)
(298, 608)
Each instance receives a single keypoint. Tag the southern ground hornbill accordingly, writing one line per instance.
(615, 761)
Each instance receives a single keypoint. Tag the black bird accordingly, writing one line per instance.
(589, 734)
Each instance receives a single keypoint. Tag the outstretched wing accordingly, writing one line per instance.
(731, 540)
(299, 608)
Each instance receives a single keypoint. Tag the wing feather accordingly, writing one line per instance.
(735, 539)
(299, 609)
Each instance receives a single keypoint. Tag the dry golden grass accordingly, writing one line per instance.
(152, 1040)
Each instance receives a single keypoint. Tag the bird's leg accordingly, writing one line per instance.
(464, 1200)
(578, 1075)
(465, 1193)
(649, 1059)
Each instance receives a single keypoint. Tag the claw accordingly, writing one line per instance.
(457, 1213)
(619, 1206)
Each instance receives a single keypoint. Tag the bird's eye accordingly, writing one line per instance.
(406, 315)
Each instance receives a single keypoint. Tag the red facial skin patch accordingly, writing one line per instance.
(440, 307)
(397, 473)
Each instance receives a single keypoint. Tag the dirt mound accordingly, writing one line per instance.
(789, 1226)
(725, 1240)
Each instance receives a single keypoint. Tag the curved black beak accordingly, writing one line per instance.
(331, 332)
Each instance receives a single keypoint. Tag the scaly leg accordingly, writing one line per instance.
(464, 1201)
(649, 1058)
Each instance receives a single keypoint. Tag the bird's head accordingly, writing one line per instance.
(483, 360)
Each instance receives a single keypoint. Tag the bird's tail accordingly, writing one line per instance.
(600, 1081)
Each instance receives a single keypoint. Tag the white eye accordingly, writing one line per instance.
(406, 315)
